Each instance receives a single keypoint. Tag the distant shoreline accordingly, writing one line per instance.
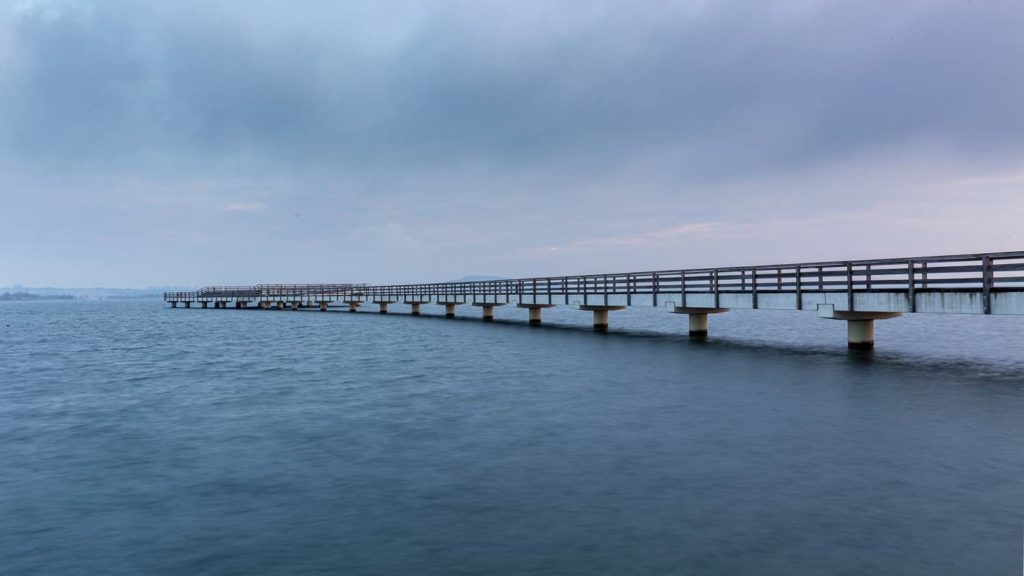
(71, 297)
(29, 296)
(18, 293)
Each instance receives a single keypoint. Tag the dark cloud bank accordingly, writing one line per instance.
(308, 141)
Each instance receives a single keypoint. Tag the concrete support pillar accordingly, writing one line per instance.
(280, 305)
(188, 304)
(698, 319)
(860, 325)
(174, 304)
(449, 310)
(698, 325)
(535, 317)
(600, 315)
(296, 305)
(323, 306)
(535, 311)
(487, 308)
(415, 308)
(243, 304)
(353, 306)
(204, 304)
(383, 307)
(860, 334)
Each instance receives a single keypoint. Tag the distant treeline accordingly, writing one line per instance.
(12, 296)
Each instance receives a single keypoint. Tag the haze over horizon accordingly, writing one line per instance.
(190, 143)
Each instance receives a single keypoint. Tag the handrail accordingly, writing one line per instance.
(983, 273)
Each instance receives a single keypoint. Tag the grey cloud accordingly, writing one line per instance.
(621, 119)
(736, 87)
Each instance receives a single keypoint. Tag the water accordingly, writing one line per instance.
(137, 439)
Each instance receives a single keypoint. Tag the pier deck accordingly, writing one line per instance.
(859, 291)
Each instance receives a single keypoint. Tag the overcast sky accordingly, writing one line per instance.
(194, 142)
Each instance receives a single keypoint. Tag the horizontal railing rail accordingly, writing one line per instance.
(926, 273)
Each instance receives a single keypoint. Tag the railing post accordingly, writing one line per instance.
(654, 295)
(987, 279)
(682, 287)
(849, 286)
(799, 294)
(912, 300)
(753, 287)
(716, 290)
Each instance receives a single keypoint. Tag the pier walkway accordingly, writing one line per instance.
(858, 292)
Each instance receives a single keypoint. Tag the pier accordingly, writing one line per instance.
(857, 292)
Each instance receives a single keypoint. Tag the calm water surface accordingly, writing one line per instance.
(137, 439)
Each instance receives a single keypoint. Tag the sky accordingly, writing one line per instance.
(198, 142)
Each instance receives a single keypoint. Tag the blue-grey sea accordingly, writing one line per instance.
(139, 439)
